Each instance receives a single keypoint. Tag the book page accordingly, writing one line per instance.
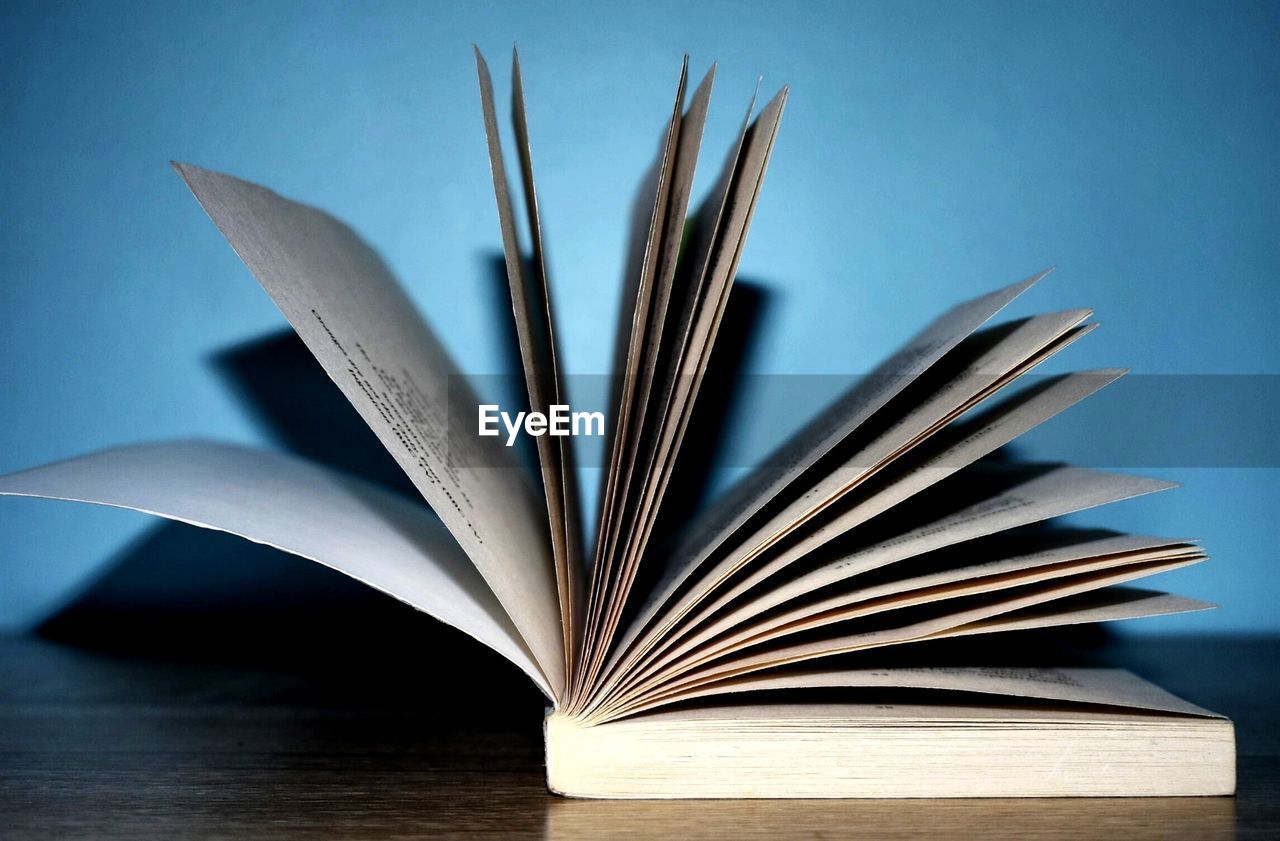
(801, 452)
(996, 360)
(535, 332)
(751, 625)
(1110, 605)
(953, 450)
(716, 259)
(650, 226)
(718, 251)
(920, 624)
(299, 507)
(1110, 687)
(1056, 493)
(362, 328)
(1060, 491)
(973, 371)
(654, 281)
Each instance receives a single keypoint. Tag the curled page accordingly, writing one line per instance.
(366, 333)
(1109, 687)
(938, 620)
(972, 440)
(1055, 493)
(750, 624)
(995, 360)
(347, 524)
(711, 529)
(1081, 604)
(1110, 605)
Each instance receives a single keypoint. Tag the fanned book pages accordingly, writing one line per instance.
(831, 626)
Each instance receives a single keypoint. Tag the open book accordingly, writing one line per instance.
(731, 659)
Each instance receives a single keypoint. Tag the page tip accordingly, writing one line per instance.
(183, 169)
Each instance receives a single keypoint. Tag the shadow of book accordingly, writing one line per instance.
(718, 404)
(192, 596)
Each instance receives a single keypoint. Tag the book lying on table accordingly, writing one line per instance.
(722, 661)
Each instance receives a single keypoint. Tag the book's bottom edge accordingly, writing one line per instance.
(1181, 757)
(921, 794)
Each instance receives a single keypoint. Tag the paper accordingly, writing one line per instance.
(799, 453)
(1109, 687)
(951, 451)
(366, 333)
(535, 331)
(945, 624)
(978, 367)
(714, 266)
(1061, 491)
(756, 622)
(1110, 605)
(349, 525)
(701, 324)
(654, 279)
(946, 620)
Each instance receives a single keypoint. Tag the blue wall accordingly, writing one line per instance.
(929, 151)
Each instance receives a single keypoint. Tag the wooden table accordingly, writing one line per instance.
(410, 744)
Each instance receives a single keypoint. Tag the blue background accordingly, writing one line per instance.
(930, 151)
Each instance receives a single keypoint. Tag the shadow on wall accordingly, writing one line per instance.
(299, 409)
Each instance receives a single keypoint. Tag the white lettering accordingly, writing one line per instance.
(488, 422)
(512, 428)
(587, 419)
(561, 421)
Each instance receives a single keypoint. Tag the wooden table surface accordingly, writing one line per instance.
(98, 744)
